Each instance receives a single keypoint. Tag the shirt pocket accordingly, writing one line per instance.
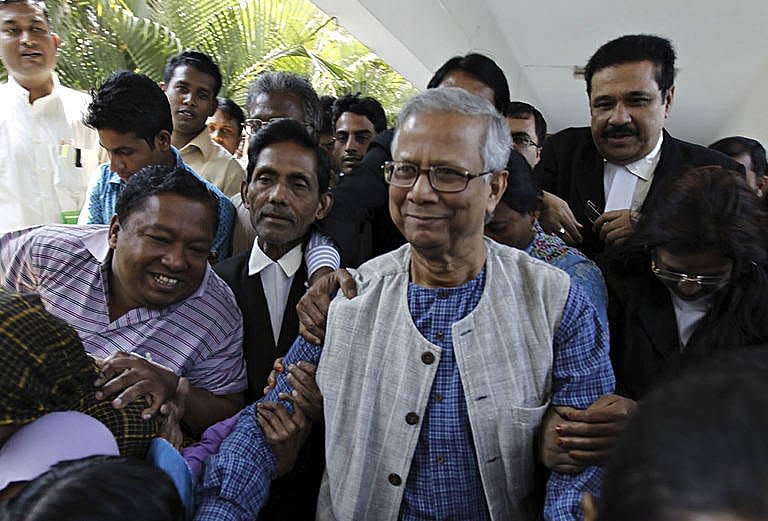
(519, 445)
(70, 178)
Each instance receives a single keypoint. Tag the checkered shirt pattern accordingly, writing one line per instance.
(103, 196)
(444, 479)
(236, 482)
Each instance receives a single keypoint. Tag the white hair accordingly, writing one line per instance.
(495, 151)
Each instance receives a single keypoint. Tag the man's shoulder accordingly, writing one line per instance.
(216, 300)
(517, 265)
(74, 95)
(389, 264)
(54, 244)
(570, 150)
(677, 152)
(230, 269)
(62, 233)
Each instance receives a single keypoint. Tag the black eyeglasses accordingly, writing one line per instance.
(447, 179)
(523, 139)
(253, 125)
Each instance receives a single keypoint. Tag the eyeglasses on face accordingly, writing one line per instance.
(680, 278)
(524, 140)
(446, 179)
(253, 125)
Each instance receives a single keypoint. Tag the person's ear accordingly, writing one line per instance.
(668, 98)
(497, 184)
(163, 86)
(56, 41)
(326, 203)
(163, 141)
(244, 194)
(589, 506)
(114, 229)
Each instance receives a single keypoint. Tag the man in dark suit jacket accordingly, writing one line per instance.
(598, 180)
(286, 192)
(630, 83)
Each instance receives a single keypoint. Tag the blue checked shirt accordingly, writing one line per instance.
(444, 480)
(102, 200)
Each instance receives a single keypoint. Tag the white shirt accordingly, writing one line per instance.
(47, 155)
(627, 185)
(212, 161)
(688, 314)
(276, 278)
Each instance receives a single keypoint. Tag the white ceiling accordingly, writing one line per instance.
(722, 82)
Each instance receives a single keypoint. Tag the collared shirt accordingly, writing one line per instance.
(236, 480)
(214, 163)
(103, 196)
(199, 337)
(688, 315)
(276, 278)
(626, 186)
(47, 155)
(551, 249)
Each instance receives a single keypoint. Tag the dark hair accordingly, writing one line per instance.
(635, 48)
(289, 130)
(368, 107)
(100, 487)
(128, 102)
(161, 179)
(200, 61)
(521, 195)
(233, 110)
(268, 82)
(737, 145)
(34, 3)
(517, 109)
(482, 68)
(326, 115)
(696, 445)
(711, 209)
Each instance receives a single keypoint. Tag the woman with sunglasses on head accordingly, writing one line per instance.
(692, 280)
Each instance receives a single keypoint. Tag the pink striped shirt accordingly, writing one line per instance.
(199, 337)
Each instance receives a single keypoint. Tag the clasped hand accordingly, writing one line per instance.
(130, 377)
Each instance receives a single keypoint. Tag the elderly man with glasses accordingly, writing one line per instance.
(435, 377)
(272, 96)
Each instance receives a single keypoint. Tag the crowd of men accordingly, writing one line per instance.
(453, 318)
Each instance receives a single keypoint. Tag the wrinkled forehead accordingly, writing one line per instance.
(278, 104)
(444, 133)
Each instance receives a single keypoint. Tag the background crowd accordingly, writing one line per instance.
(290, 310)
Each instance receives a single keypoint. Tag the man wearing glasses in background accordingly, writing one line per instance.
(528, 129)
(273, 96)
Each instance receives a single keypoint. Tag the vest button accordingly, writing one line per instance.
(411, 418)
(427, 357)
(395, 480)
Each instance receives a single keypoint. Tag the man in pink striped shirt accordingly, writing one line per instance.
(142, 296)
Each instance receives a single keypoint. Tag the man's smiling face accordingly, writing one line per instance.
(27, 46)
(160, 251)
